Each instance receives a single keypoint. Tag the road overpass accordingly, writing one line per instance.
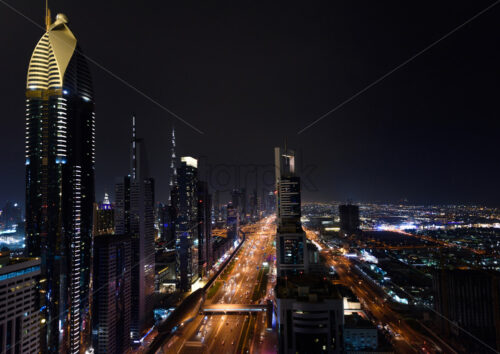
(238, 309)
(234, 308)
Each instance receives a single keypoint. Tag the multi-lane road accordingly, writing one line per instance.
(405, 338)
(233, 333)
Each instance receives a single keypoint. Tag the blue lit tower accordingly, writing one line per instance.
(60, 140)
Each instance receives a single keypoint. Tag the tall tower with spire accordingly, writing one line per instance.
(134, 216)
(59, 159)
(173, 166)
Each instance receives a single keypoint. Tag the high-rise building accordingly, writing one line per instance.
(173, 166)
(269, 201)
(290, 238)
(184, 199)
(239, 202)
(166, 218)
(60, 140)
(310, 308)
(217, 214)
(134, 216)
(232, 223)
(112, 294)
(104, 217)
(204, 228)
(122, 205)
(349, 219)
(254, 205)
(19, 305)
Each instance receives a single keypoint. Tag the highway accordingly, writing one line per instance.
(232, 333)
(405, 338)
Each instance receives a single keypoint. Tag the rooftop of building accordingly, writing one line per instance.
(346, 292)
(7, 260)
(306, 288)
(356, 321)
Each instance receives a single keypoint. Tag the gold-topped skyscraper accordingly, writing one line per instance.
(60, 140)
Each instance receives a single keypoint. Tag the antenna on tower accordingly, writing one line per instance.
(173, 170)
(134, 152)
(47, 15)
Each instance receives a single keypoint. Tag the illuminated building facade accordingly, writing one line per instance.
(184, 200)
(19, 305)
(291, 247)
(104, 217)
(59, 159)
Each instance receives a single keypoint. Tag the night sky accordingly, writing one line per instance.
(249, 74)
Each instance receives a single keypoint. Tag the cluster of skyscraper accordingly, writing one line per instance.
(90, 267)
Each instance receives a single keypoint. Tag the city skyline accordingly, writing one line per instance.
(376, 227)
(408, 137)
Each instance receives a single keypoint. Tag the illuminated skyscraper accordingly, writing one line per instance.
(310, 308)
(60, 140)
(184, 199)
(290, 238)
(104, 217)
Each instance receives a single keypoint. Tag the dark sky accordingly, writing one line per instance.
(249, 74)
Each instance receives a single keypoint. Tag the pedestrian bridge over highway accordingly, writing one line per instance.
(238, 309)
(234, 308)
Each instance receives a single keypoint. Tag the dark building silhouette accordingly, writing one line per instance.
(349, 219)
(60, 145)
(166, 222)
(470, 299)
(112, 294)
(134, 216)
(232, 223)
(204, 228)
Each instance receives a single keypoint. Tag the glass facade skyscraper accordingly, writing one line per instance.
(290, 238)
(134, 216)
(184, 199)
(60, 140)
